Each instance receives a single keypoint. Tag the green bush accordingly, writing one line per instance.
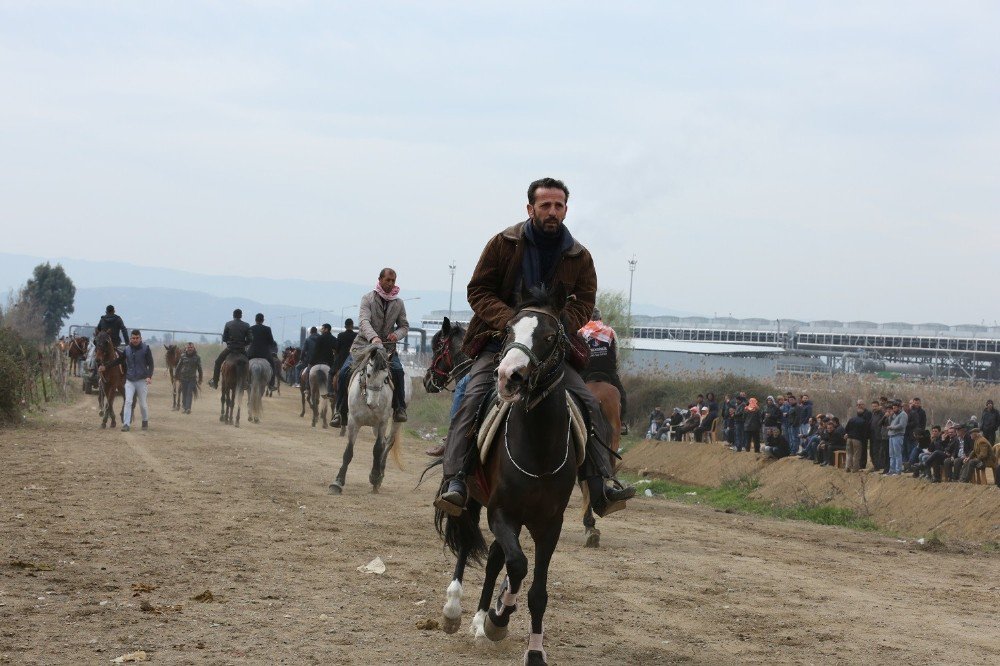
(13, 387)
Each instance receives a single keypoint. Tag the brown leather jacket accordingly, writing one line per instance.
(491, 291)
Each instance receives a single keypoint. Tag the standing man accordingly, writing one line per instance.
(990, 422)
(236, 336)
(897, 431)
(866, 438)
(538, 251)
(262, 345)
(603, 345)
(382, 321)
(188, 373)
(138, 360)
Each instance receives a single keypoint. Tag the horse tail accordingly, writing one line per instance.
(462, 533)
(394, 444)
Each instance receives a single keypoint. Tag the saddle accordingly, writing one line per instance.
(493, 412)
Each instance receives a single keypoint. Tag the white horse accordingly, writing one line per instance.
(260, 376)
(319, 377)
(369, 403)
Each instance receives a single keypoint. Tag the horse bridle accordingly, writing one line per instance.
(549, 370)
(364, 378)
(449, 376)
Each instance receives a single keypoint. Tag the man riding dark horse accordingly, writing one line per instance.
(536, 252)
(115, 327)
(305, 358)
(236, 336)
(264, 346)
(345, 340)
(603, 367)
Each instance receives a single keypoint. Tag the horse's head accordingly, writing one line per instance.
(103, 347)
(375, 373)
(533, 350)
(448, 356)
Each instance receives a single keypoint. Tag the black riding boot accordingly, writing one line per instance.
(398, 396)
(604, 499)
(214, 383)
(452, 500)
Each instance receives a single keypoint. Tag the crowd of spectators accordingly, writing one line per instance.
(891, 436)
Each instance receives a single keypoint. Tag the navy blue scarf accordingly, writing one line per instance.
(542, 254)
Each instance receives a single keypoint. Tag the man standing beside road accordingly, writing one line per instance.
(897, 430)
(138, 360)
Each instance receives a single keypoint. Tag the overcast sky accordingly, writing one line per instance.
(806, 160)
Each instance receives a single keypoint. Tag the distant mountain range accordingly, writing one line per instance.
(149, 297)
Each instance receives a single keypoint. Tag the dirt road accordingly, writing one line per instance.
(108, 537)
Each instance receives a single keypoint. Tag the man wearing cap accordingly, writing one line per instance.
(980, 457)
(236, 336)
(603, 345)
(958, 452)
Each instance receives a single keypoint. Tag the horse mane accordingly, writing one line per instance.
(378, 355)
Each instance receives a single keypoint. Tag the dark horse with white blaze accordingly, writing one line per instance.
(528, 477)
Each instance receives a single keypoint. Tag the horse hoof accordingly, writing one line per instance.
(336, 488)
(449, 625)
(534, 658)
(593, 538)
(492, 631)
(104, 426)
(375, 490)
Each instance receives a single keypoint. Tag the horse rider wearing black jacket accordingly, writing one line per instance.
(236, 336)
(114, 325)
(344, 341)
(263, 346)
(325, 353)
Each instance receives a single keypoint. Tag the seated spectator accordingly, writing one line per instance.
(980, 457)
(958, 452)
(690, 422)
(656, 419)
(706, 421)
(669, 428)
(835, 441)
(812, 439)
(775, 446)
(932, 458)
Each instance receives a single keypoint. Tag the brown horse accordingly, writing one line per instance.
(76, 348)
(173, 358)
(111, 379)
(610, 400)
(235, 373)
(289, 359)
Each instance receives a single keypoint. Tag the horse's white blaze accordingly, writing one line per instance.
(515, 359)
(476, 628)
(453, 606)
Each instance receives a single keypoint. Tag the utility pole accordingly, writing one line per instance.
(631, 267)
(451, 292)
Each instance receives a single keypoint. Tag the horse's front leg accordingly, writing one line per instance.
(338, 485)
(222, 406)
(494, 563)
(378, 470)
(498, 617)
(545, 538)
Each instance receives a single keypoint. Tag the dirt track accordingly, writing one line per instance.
(89, 517)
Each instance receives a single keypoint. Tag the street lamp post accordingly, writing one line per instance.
(631, 268)
(344, 309)
(451, 291)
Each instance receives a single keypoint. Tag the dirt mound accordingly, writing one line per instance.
(902, 504)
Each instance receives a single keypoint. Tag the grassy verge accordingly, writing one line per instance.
(734, 497)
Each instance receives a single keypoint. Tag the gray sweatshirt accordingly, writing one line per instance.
(897, 426)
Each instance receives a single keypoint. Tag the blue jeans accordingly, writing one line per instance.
(895, 454)
(810, 447)
(741, 435)
(791, 434)
(459, 394)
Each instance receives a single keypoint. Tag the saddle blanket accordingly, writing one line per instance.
(497, 414)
